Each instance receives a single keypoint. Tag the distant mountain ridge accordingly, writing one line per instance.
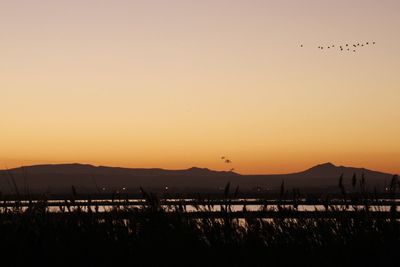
(331, 168)
(60, 177)
(91, 169)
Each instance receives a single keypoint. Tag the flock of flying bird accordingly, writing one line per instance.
(227, 161)
(346, 47)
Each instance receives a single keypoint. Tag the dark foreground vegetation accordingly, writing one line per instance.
(153, 235)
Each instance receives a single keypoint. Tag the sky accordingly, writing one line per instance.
(176, 84)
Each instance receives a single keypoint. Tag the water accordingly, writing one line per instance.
(105, 205)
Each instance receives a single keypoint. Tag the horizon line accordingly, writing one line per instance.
(184, 169)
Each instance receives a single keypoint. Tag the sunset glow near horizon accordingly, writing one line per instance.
(175, 84)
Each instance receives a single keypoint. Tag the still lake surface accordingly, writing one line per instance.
(190, 205)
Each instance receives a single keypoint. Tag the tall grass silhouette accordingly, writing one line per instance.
(157, 235)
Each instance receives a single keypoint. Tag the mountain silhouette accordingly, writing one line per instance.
(59, 178)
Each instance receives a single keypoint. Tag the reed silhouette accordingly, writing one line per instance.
(156, 235)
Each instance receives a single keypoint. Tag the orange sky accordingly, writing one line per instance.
(175, 84)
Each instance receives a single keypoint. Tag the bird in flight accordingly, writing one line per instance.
(342, 47)
(227, 161)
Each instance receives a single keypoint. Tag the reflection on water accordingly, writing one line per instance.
(106, 205)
